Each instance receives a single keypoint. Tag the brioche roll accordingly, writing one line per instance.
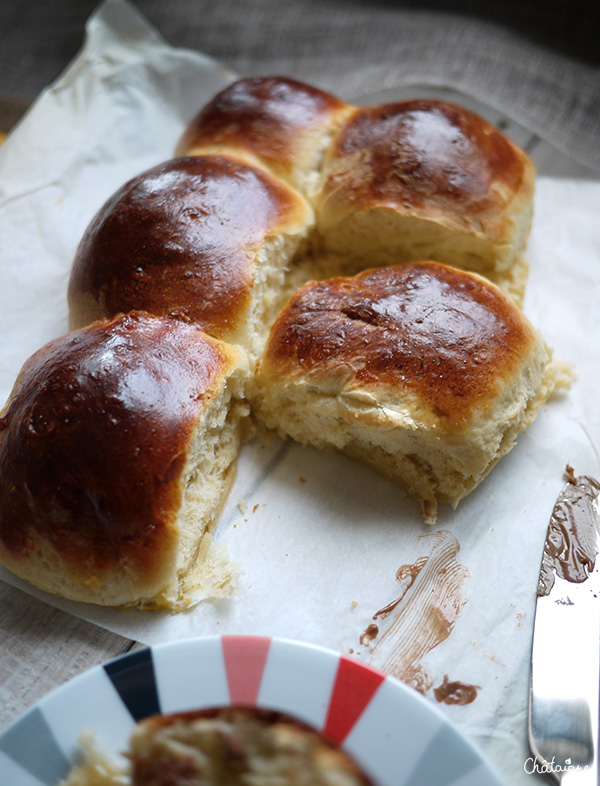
(426, 179)
(238, 746)
(424, 372)
(117, 448)
(390, 183)
(209, 239)
(280, 123)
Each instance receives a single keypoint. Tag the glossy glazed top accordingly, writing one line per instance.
(265, 116)
(95, 437)
(445, 335)
(180, 239)
(422, 153)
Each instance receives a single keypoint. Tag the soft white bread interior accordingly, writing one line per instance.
(424, 372)
(117, 449)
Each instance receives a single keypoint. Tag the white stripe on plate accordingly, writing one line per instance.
(391, 735)
(298, 680)
(191, 675)
(88, 703)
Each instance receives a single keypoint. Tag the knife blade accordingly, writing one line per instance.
(564, 695)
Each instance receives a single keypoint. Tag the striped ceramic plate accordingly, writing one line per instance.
(393, 733)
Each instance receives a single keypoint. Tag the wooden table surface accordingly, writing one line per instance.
(42, 647)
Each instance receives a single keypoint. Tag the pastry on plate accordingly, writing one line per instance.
(232, 746)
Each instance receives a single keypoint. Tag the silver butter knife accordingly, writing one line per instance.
(564, 698)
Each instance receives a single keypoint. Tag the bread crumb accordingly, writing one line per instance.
(242, 506)
(301, 479)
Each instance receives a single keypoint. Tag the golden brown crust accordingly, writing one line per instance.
(94, 439)
(424, 372)
(425, 156)
(181, 239)
(444, 335)
(219, 239)
(269, 118)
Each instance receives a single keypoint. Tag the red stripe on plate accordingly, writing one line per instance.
(354, 687)
(245, 658)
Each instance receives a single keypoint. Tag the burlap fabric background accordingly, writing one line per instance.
(538, 62)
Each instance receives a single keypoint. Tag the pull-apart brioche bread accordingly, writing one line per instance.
(424, 372)
(209, 238)
(225, 234)
(118, 443)
(117, 448)
(400, 182)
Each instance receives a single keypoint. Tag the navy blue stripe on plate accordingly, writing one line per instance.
(134, 678)
(31, 743)
(457, 760)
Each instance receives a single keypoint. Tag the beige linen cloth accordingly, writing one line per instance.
(537, 62)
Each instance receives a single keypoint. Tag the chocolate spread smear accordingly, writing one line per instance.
(371, 632)
(571, 544)
(406, 575)
(425, 613)
(455, 692)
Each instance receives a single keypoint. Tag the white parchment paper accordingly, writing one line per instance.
(319, 537)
